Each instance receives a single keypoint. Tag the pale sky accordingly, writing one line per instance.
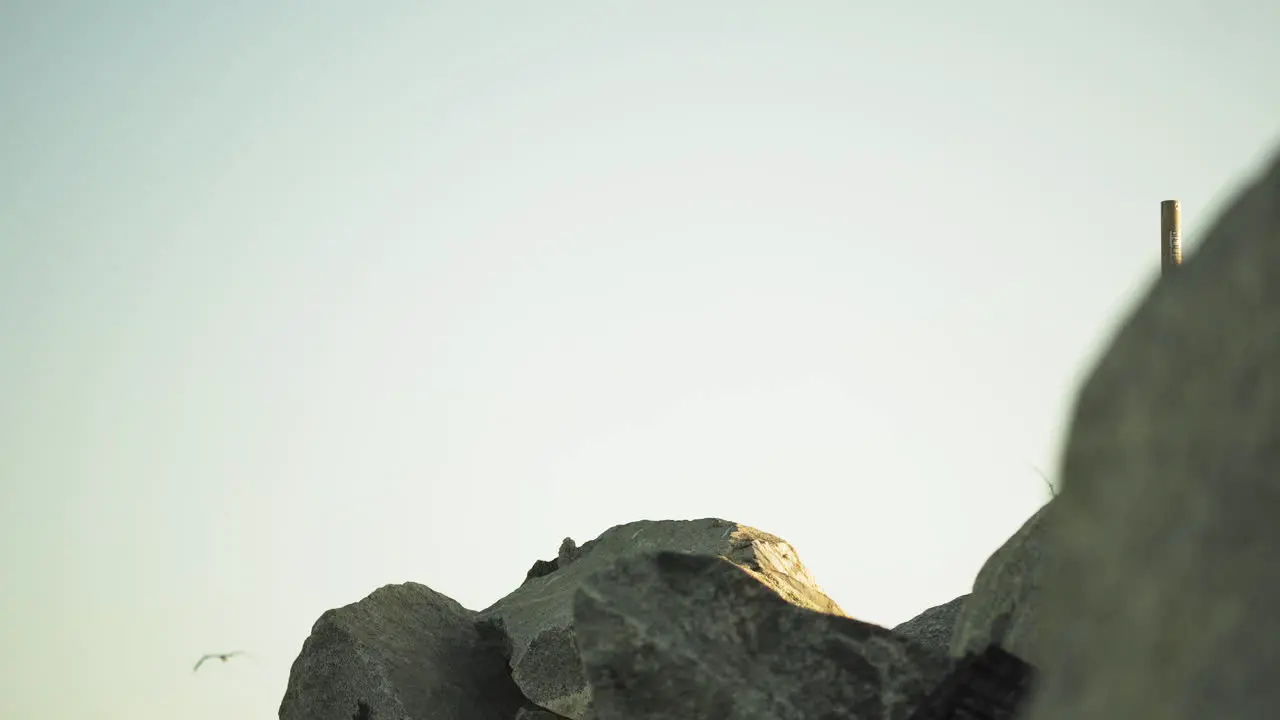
(301, 299)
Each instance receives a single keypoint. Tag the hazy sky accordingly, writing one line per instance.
(300, 299)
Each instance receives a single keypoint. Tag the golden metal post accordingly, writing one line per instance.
(1170, 235)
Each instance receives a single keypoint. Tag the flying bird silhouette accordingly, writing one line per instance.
(218, 656)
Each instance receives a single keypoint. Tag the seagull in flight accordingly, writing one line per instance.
(218, 656)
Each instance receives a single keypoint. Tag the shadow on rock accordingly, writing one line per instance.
(670, 635)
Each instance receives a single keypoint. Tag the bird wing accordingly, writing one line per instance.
(200, 662)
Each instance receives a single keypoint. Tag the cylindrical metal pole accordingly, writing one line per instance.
(1170, 235)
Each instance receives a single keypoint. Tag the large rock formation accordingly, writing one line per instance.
(646, 612)
(1145, 589)
(1161, 598)
(405, 651)
(538, 616)
(669, 635)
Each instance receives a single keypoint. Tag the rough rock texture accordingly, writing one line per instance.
(1004, 607)
(405, 651)
(536, 713)
(733, 625)
(934, 627)
(1162, 599)
(673, 635)
(538, 616)
(990, 685)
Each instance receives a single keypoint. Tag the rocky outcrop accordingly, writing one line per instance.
(670, 635)
(934, 627)
(647, 608)
(538, 616)
(1145, 589)
(405, 651)
(729, 626)
(1161, 598)
(1004, 608)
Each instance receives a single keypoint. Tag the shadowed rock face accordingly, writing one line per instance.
(989, 685)
(536, 713)
(670, 635)
(405, 651)
(739, 634)
(934, 627)
(538, 616)
(1162, 597)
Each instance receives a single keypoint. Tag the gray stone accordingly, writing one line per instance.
(934, 627)
(405, 651)
(568, 553)
(538, 616)
(1162, 597)
(671, 635)
(536, 713)
(541, 568)
(1005, 605)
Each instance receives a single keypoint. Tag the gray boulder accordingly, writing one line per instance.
(1162, 596)
(934, 627)
(405, 651)
(672, 635)
(538, 616)
(1005, 606)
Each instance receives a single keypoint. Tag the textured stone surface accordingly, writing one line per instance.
(934, 627)
(1163, 594)
(538, 616)
(1005, 605)
(671, 635)
(536, 713)
(990, 685)
(405, 651)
